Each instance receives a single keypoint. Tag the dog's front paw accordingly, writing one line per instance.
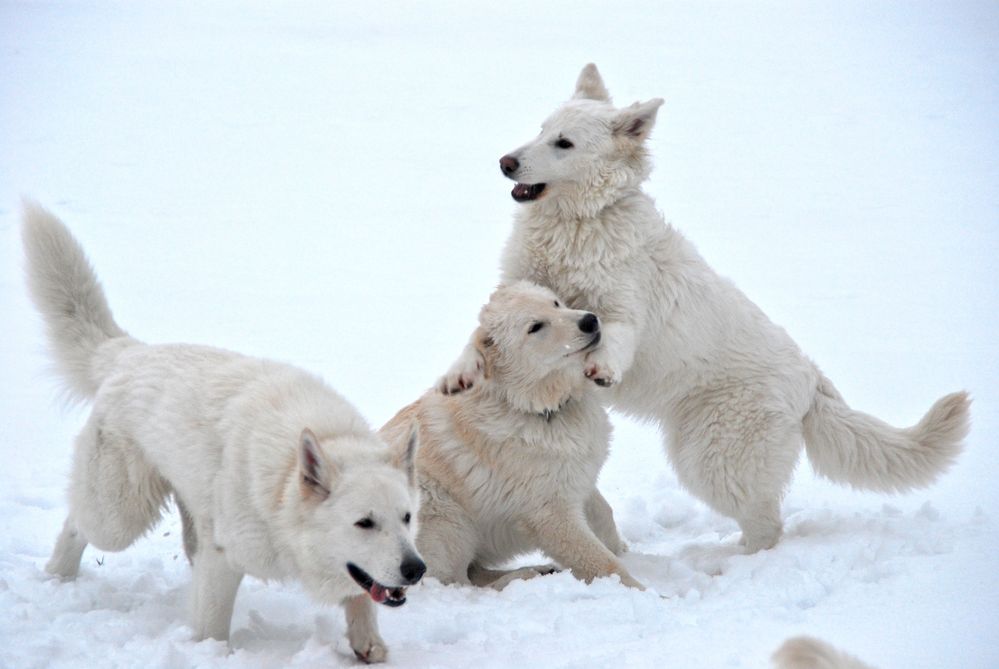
(545, 569)
(463, 375)
(629, 581)
(372, 651)
(600, 371)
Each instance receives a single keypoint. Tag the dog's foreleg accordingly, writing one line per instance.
(448, 536)
(362, 630)
(564, 534)
(601, 520)
(606, 365)
(65, 560)
(214, 593)
(465, 371)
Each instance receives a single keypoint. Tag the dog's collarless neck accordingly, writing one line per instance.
(588, 210)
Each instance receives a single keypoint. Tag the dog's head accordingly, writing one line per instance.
(588, 151)
(357, 505)
(534, 347)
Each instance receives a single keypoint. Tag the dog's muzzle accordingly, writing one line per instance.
(521, 192)
(379, 593)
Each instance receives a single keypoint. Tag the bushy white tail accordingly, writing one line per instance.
(66, 292)
(855, 448)
(804, 652)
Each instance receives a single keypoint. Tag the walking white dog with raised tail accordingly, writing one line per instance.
(276, 474)
(683, 346)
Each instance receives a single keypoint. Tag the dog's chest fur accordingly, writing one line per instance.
(583, 260)
(628, 265)
(500, 463)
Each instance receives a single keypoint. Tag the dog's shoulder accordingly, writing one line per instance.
(398, 425)
(431, 415)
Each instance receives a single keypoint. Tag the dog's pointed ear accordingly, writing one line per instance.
(404, 454)
(589, 85)
(636, 121)
(315, 470)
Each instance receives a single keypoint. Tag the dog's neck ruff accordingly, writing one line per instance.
(538, 409)
(531, 407)
(586, 200)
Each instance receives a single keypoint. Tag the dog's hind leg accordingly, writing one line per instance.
(600, 516)
(213, 591)
(115, 494)
(65, 560)
(114, 497)
(760, 523)
(362, 630)
(738, 458)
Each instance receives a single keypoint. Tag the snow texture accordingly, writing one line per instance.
(318, 183)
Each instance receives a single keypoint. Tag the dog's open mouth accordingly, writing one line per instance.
(527, 192)
(379, 593)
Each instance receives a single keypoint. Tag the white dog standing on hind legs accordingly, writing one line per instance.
(275, 474)
(683, 346)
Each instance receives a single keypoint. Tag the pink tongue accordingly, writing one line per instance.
(378, 593)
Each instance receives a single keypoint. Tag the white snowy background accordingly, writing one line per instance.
(317, 182)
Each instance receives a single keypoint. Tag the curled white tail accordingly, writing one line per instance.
(66, 292)
(855, 448)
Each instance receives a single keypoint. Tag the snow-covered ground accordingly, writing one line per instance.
(317, 182)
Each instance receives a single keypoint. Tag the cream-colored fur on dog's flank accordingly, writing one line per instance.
(510, 466)
(684, 347)
(272, 468)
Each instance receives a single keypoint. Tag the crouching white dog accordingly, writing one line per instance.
(277, 476)
(510, 466)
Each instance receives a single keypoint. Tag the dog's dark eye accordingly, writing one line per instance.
(557, 305)
(406, 519)
(563, 143)
(535, 327)
(365, 524)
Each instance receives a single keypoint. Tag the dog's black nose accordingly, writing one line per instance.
(509, 165)
(589, 323)
(412, 569)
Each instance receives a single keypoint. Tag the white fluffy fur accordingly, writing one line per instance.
(805, 652)
(684, 347)
(510, 466)
(272, 468)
